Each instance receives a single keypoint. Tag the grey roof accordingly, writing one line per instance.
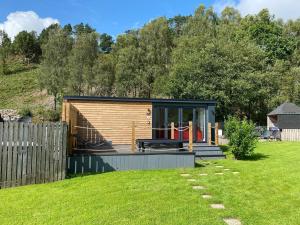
(286, 108)
(153, 100)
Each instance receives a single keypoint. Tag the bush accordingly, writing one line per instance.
(46, 115)
(242, 137)
(25, 112)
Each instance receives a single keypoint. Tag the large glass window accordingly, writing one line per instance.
(200, 124)
(159, 123)
(164, 116)
(173, 117)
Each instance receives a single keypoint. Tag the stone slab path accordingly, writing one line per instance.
(217, 206)
(206, 196)
(185, 175)
(198, 187)
(231, 221)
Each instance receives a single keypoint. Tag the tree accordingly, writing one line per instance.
(269, 35)
(54, 72)
(104, 72)
(27, 45)
(156, 42)
(83, 28)
(81, 62)
(106, 43)
(5, 48)
(44, 36)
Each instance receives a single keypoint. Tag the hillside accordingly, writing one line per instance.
(20, 90)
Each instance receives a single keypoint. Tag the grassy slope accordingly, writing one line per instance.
(265, 192)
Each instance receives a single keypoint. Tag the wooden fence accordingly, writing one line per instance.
(290, 135)
(32, 153)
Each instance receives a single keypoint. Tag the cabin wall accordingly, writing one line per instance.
(111, 121)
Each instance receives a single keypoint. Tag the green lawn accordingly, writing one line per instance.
(267, 191)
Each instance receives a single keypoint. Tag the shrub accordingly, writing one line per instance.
(25, 112)
(46, 115)
(242, 137)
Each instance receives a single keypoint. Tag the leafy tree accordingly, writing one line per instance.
(104, 72)
(106, 42)
(5, 48)
(177, 24)
(269, 35)
(44, 36)
(83, 28)
(54, 72)
(156, 42)
(81, 62)
(27, 45)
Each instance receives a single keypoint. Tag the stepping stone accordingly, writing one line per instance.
(217, 206)
(203, 174)
(235, 172)
(185, 175)
(231, 221)
(206, 196)
(219, 173)
(226, 169)
(198, 187)
(219, 166)
(191, 180)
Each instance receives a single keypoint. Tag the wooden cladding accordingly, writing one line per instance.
(110, 121)
(32, 153)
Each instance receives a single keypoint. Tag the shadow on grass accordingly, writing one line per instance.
(256, 157)
(199, 164)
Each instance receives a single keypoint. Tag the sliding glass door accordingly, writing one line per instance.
(164, 116)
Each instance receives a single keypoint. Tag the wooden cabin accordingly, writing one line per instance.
(111, 119)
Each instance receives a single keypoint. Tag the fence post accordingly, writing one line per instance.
(216, 133)
(172, 131)
(209, 133)
(133, 147)
(190, 136)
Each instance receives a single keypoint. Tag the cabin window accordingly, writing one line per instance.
(164, 116)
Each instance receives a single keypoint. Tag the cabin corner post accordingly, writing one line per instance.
(190, 136)
(172, 130)
(133, 137)
(216, 133)
(209, 134)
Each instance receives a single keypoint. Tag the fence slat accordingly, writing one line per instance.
(60, 156)
(15, 154)
(20, 153)
(1, 147)
(43, 151)
(64, 150)
(4, 154)
(9, 153)
(24, 153)
(56, 152)
(34, 150)
(51, 152)
(29, 154)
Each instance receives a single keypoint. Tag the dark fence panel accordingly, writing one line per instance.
(80, 164)
(32, 153)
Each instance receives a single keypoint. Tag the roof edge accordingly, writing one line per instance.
(126, 99)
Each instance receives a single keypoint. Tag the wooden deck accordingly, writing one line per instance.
(120, 157)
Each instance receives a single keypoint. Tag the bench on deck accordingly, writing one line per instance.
(160, 142)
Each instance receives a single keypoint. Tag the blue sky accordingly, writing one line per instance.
(116, 16)
(110, 16)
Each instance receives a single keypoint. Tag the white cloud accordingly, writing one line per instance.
(285, 9)
(29, 21)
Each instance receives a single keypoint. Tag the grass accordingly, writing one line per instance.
(18, 89)
(265, 192)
